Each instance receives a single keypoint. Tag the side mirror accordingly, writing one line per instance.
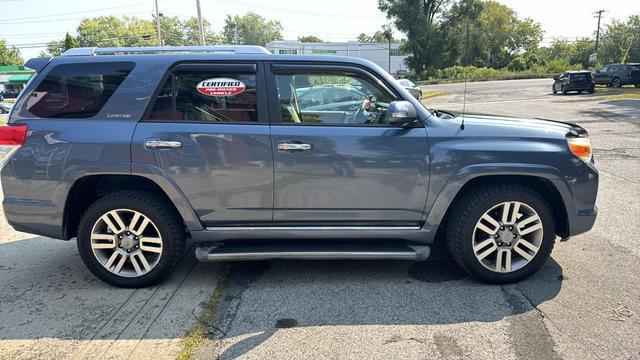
(401, 113)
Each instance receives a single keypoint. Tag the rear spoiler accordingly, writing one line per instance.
(37, 64)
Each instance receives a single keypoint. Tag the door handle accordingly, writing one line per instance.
(162, 144)
(294, 147)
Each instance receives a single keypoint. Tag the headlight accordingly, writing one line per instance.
(580, 147)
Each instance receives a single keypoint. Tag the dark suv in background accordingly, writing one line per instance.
(573, 81)
(618, 75)
(133, 150)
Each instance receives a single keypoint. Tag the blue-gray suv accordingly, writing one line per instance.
(249, 155)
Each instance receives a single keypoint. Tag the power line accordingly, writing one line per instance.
(69, 19)
(300, 12)
(71, 13)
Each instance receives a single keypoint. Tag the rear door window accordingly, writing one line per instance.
(207, 95)
(77, 90)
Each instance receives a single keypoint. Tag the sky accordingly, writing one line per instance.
(29, 24)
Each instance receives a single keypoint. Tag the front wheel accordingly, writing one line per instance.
(564, 90)
(637, 85)
(130, 238)
(501, 234)
(616, 83)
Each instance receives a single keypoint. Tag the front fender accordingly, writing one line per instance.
(452, 187)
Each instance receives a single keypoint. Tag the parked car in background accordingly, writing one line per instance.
(319, 95)
(4, 108)
(9, 94)
(411, 87)
(573, 81)
(618, 75)
(132, 154)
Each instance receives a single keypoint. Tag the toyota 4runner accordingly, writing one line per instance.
(132, 151)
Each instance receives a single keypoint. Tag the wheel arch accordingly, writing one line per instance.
(87, 189)
(544, 180)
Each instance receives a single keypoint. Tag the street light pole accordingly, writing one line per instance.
(158, 25)
(200, 25)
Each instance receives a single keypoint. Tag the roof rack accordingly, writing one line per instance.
(215, 49)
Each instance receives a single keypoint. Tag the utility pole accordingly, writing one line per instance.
(200, 25)
(599, 13)
(389, 68)
(158, 25)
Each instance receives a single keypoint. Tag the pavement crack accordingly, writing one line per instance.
(528, 329)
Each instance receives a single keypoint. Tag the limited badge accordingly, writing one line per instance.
(221, 87)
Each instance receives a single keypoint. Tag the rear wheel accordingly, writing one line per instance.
(130, 238)
(501, 234)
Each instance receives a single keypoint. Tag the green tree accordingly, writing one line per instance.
(310, 38)
(108, 31)
(419, 20)
(251, 29)
(55, 48)
(191, 33)
(620, 41)
(70, 42)
(378, 36)
(9, 55)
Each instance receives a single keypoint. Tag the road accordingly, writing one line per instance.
(583, 304)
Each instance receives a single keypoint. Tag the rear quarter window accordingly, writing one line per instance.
(77, 90)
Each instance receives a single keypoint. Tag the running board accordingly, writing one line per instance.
(309, 252)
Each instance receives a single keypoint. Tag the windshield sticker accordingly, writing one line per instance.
(221, 87)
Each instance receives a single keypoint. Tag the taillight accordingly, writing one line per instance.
(13, 135)
(11, 138)
(580, 147)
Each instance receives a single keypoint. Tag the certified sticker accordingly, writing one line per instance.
(221, 87)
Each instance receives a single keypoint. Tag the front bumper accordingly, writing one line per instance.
(582, 210)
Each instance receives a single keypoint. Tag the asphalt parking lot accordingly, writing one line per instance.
(584, 304)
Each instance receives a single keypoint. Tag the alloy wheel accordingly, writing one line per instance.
(126, 242)
(507, 237)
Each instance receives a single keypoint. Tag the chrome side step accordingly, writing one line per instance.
(310, 252)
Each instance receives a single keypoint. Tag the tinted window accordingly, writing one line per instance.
(77, 90)
(331, 99)
(207, 96)
(581, 77)
(163, 106)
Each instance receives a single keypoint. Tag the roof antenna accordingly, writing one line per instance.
(466, 65)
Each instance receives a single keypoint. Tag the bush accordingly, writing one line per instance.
(519, 68)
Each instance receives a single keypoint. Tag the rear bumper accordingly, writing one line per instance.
(580, 87)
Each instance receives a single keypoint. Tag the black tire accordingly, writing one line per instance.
(579, 91)
(637, 85)
(162, 214)
(553, 89)
(472, 206)
(592, 91)
(564, 90)
(616, 83)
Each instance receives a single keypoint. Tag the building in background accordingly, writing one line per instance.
(376, 52)
(13, 79)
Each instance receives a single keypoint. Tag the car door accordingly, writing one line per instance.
(338, 162)
(207, 130)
